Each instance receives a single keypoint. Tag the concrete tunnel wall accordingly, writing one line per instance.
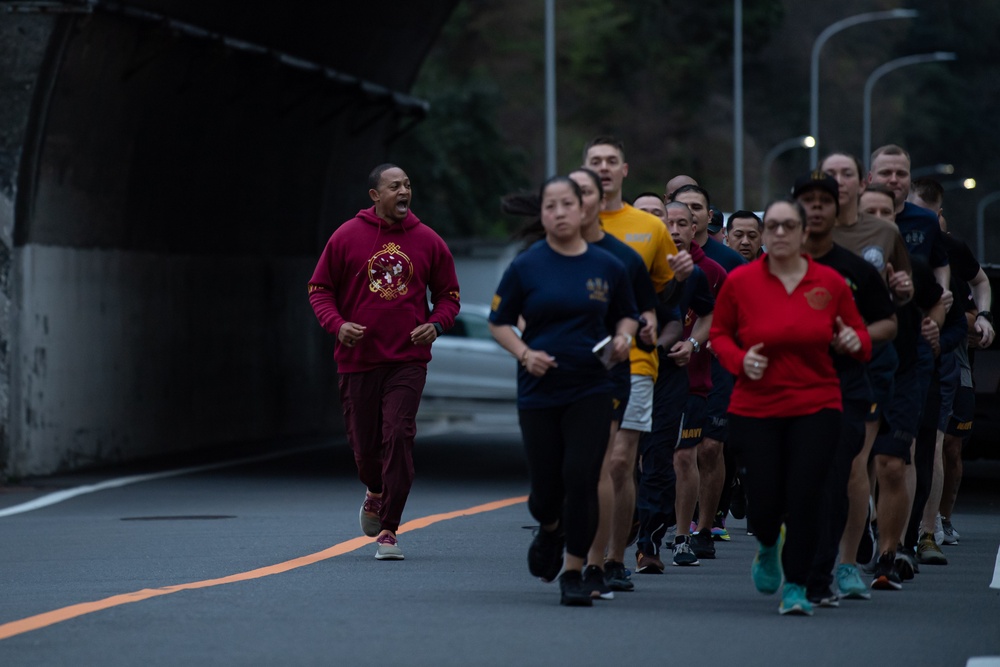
(168, 201)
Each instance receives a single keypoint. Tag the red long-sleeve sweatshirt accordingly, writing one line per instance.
(796, 329)
(378, 275)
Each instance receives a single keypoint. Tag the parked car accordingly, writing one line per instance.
(471, 380)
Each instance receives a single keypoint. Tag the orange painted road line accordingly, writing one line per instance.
(48, 618)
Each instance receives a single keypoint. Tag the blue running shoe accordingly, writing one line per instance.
(793, 601)
(850, 584)
(766, 569)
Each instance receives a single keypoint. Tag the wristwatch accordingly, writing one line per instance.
(628, 338)
(986, 315)
(695, 344)
(438, 328)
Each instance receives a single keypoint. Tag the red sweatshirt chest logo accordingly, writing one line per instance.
(389, 272)
(819, 298)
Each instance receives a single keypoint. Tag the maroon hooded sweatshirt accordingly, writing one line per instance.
(377, 274)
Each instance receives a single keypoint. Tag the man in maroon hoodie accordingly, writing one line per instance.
(370, 290)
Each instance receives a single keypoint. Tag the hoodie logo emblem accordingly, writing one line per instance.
(389, 272)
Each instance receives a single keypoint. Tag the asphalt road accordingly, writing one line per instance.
(263, 564)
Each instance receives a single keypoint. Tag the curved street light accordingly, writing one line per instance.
(804, 141)
(946, 169)
(880, 71)
(959, 184)
(827, 33)
(980, 223)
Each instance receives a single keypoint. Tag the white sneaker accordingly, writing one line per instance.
(950, 534)
(388, 548)
(938, 531)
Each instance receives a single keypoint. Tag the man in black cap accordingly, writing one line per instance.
(716, 225)
(846, 484)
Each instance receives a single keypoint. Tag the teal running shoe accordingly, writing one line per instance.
(850, 584)
(793, 601)
(766, 569)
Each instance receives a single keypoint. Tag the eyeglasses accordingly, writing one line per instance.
(787, 225)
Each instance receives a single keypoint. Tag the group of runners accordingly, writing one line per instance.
(808, 368)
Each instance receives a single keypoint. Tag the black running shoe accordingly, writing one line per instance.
(823, 597)
(616, 576)
(574, 593)
(593, 580)
(545, 555)
(906, 564)
(886, 578)
(702, 544)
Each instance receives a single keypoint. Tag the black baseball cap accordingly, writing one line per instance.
(715, 224)
(816, 180)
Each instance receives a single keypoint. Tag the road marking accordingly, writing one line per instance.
(48, 618)
(996, 572)
(67, 494)
(984, 661)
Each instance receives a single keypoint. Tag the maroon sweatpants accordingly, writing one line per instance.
(380, 409)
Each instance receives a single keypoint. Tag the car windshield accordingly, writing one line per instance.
(470, 325)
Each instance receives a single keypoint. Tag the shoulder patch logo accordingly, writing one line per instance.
(818, 298)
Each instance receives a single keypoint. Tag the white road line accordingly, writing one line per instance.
(996, 572)
(67, 494)
(984, 661)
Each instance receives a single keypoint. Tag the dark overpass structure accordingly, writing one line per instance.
(169, 170)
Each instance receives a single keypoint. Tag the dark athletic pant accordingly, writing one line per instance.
(786, 459)
(564, 447)
(835, 503)
(656, 487)
(924, 460)
(380, 409)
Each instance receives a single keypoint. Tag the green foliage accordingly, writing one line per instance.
(460, 164)
(658, 73)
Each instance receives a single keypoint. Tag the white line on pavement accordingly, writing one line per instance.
(996, 572)
(984, 661)
(67, 494)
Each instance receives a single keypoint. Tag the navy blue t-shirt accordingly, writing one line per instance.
(921, 231)
(723, 255)
(642, 289)
(567, 303)
(696, 296)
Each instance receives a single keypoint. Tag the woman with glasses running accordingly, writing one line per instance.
(776, 321)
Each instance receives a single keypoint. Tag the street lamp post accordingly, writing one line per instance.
(738, 104)
(550, 88)
(804, 141)
(827, 33)
(980, 223)
(880, 71)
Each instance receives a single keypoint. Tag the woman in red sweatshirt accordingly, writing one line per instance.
(775, 323)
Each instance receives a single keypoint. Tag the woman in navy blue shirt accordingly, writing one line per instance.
(571, 296)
